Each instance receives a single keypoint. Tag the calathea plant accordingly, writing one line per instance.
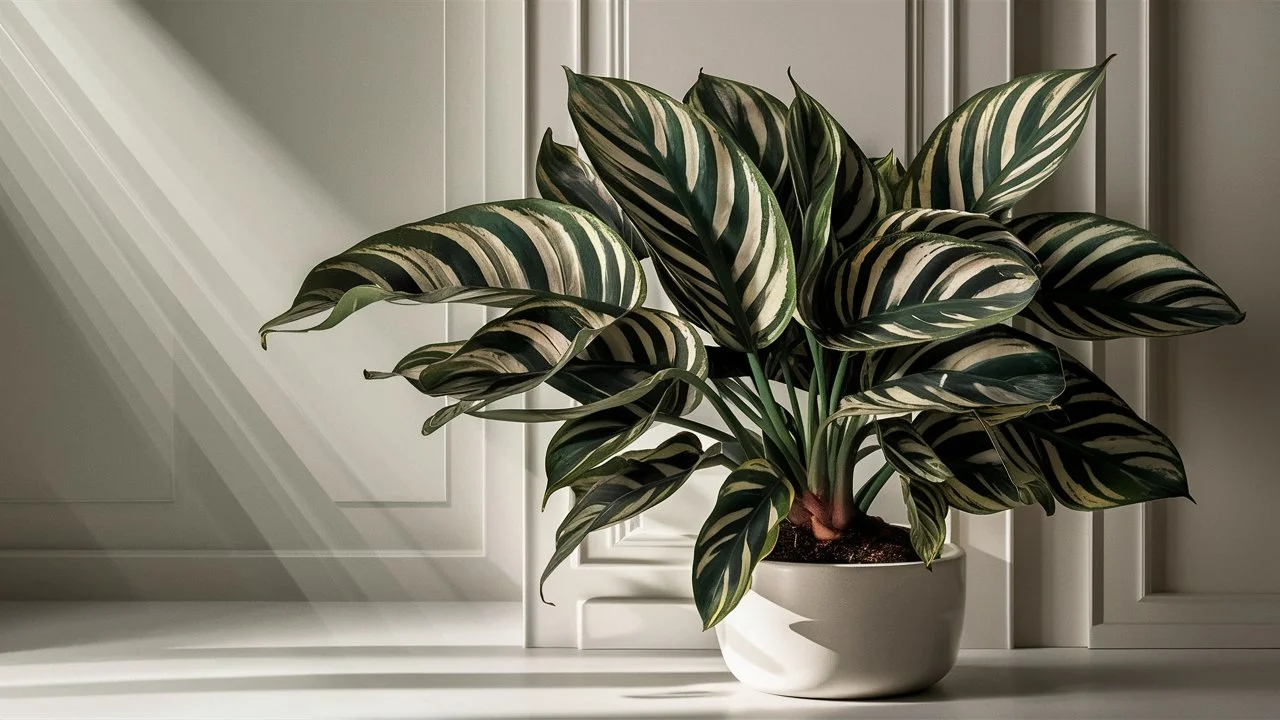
(830, 305)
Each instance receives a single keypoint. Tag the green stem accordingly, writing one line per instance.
(782, 434)
(868, 492)
(795, 405)
(698, 427)
(837, 385)
(744, 438)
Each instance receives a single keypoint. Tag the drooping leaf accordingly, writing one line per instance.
(741, 530)
(712, 226)
(984, 479)
(1091, 451)
(908, 452)
(623, 488)
(994, 368)
(583, 443)
(633, 348)
(566, 178)
(1102, 279)
(912, 287)
(956, 223)
(1094, 451)
(927, 515)
(499, 254)
(1002, 142)
(757, 121)
(513, 353)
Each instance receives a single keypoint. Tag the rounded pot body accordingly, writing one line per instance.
(847, 631)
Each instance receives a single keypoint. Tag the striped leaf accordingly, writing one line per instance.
(909, 453)
(585, 442)
(566, 178)
(616, 368)
(623, 488)
(1002, 142)
(985, 478)
(927, 516)
(839, 188)
(1094, 451)
(757, 121)
(629, 351)
(741, 530)
(994, 368)
(909, 288)
(1102, 279)
(498, 254)
(713, 227)
(956, 223)
(511, 354)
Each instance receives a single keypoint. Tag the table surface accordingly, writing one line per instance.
(255, 660)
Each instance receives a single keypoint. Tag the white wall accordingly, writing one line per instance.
(171, 170)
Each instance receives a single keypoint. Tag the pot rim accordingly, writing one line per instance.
(951, 552)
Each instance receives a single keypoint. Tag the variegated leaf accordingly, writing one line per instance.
(1102, 279)
(583, 443)
(1094, 451)
(499, 254)
(992, 369)
(908, 452)
(713, 227)
(629, 351)
(912, 287)
(618, 360)
(623, 488)
(956, 223)
(984, 478)
(1002, 142)
(566, 178)
(927, 515)
(757, 121)
(513, 353)
(741, 530)
(839, 188)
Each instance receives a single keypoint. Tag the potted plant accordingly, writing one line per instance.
(832, 308)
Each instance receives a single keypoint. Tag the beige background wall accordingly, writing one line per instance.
(170, 168)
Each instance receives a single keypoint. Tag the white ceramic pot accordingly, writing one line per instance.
(847, 631)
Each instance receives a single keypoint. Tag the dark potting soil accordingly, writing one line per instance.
(868, 540)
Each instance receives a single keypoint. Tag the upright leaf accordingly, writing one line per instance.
(623, 488)
(740, 531)
(713, 227)
(1103, 279)
(912, 287)
(497, 254)
(992, 368)
(1002, 142)
(757, 121)
(839, 188)
(564, 177)
(891, 171)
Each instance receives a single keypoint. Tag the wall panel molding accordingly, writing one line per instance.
(1128, 609)
(294, 520)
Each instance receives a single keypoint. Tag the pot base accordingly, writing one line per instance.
(847, 631)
